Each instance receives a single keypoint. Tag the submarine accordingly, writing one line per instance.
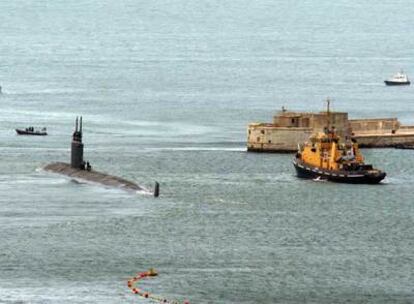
(82, 170)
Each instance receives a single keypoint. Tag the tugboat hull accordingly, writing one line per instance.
(350, 177)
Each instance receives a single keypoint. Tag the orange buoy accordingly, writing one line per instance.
(150, 273)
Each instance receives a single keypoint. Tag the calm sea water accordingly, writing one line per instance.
(166, 89)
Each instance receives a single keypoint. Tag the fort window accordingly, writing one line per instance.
(258, 139)
(262, 131)
(270, 141)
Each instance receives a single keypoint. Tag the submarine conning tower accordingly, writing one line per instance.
(77, 146)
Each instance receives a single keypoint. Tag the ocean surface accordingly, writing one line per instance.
(166, 90)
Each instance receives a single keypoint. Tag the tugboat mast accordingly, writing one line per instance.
(328, 113)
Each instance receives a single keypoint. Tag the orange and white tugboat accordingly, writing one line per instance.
(327, 157)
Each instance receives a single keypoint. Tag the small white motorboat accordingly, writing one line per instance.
(398, 79)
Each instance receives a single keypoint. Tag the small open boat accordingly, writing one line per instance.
(31, 131)
(398, 79)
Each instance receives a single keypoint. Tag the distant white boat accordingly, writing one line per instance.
(398, 79)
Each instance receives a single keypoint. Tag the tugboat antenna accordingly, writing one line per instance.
(328, 113)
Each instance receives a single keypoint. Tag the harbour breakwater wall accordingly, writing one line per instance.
(288, 129)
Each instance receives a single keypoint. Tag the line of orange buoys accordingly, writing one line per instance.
(150, 273)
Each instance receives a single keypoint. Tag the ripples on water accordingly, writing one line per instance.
(166, 91)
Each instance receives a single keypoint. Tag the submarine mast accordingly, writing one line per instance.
(77, 146)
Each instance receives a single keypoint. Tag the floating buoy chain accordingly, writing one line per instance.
(150, 273)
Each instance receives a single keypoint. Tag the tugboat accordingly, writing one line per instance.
(31, 131)
(327, 157)
(398, 79)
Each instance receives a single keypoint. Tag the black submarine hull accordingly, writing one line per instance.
(93, 176)
(349, 177)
